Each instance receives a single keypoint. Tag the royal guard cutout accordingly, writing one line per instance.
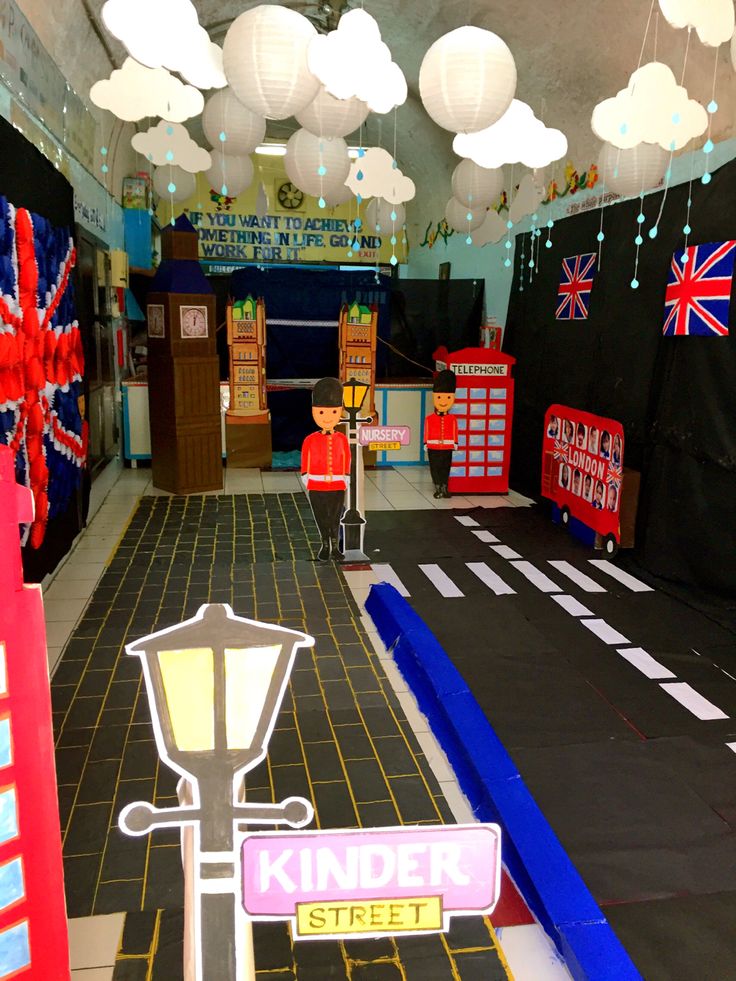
(440, 432)
(326, 465)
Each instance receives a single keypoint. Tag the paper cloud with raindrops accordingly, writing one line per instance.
(170, 143)
(527, 199)
(167, 34)
(517, 137)
(375, 175)
(713, 20)
(134, 92)
(492, 229)
(653, 108)
(353, 61)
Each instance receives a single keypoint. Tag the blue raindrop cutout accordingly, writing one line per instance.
(635, 284)
(706, 178)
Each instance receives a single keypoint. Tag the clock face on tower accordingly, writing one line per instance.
(156, 321)
(193, 322)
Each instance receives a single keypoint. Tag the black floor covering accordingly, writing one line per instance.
(641, 793)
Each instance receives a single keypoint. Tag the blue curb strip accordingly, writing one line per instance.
(549, 882)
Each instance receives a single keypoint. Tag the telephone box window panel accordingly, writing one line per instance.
(15, 950)
(484, 408)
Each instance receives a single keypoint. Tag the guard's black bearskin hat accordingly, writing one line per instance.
(445, 382)
(327, 393)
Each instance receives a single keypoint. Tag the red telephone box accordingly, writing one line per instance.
(484, 406)
(582, 469)
(33, 930)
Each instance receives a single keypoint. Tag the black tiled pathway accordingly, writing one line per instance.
(341, 738)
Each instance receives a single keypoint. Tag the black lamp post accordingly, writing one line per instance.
(353, 522)
(215, 684)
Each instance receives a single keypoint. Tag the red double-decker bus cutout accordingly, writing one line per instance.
(582, 467)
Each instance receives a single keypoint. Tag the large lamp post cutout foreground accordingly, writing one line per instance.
(353, 522)
(215, 684)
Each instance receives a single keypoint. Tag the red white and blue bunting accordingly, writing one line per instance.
(41, 363)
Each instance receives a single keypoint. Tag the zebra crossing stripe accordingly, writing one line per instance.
(572, 606)
(700, 707)
(505, 552)
(386, 574)
(485, 536)
(536, 577)
(466, 520)
(605, 632)
(489, 577)
(441, 581)
(623, 577)
(579, 578)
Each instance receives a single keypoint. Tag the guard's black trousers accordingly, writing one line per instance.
(327, 508)
(440, 462)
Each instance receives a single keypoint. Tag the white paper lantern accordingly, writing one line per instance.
(629, 172)
(378, 216)
(456, 214)
(265, 58)
(467, 79)
(224, 114)
(233, 173)
(334, 196)
(328, 116)
(184, 184)
(316, 164)
(476, 186)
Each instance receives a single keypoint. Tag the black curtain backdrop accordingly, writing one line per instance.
(28, 180)
(676, 397)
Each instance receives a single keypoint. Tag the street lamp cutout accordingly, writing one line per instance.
(353, 522)
(215, 684)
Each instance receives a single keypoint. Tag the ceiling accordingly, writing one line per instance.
(569, 56)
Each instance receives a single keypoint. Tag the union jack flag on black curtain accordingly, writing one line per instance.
(576, 282)
(698, 293)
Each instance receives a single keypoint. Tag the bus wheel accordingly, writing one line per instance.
(565, 516)
(610, 546)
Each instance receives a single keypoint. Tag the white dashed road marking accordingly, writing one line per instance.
(464, 519)
(605, 632)
(574, 607)
(489, 577)
(485, 536)
(623, 577)
(536, 577)
(644, 662)
(693, 701)
(441, 581)
(386, 574)
(505, 552)
(579, 578)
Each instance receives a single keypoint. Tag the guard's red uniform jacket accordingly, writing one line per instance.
(326, 461)
(440, 431)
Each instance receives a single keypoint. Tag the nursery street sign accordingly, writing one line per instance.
(384, 437)
(375, 882)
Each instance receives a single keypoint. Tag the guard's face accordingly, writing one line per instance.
(326, 417)
(443, 401)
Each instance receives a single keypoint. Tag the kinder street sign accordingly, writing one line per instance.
(373, 882)
(384, 437)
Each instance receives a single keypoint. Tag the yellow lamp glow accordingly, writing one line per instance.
(354, 393)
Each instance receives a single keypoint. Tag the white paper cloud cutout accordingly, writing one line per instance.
(374, 176)
(353, 61)
(517, 137)
(652, 109)
(492, 229)
(712, 19)
(134, 92)
(170, 143)
(526, 200)
(167, 33)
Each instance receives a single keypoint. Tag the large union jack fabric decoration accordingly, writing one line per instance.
(41, 363)
(576, 282)
(698, 293)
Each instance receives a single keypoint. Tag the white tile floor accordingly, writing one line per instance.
(94, 940)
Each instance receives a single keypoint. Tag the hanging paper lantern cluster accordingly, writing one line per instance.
(381, 216)
(467, 79)
(316, 165)
(265, 60)
(630, 172)
(230, 175)
(173, 182)
(462, 218)
(328, 116)
(334, 196)
(476, 186)
(230, 125)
